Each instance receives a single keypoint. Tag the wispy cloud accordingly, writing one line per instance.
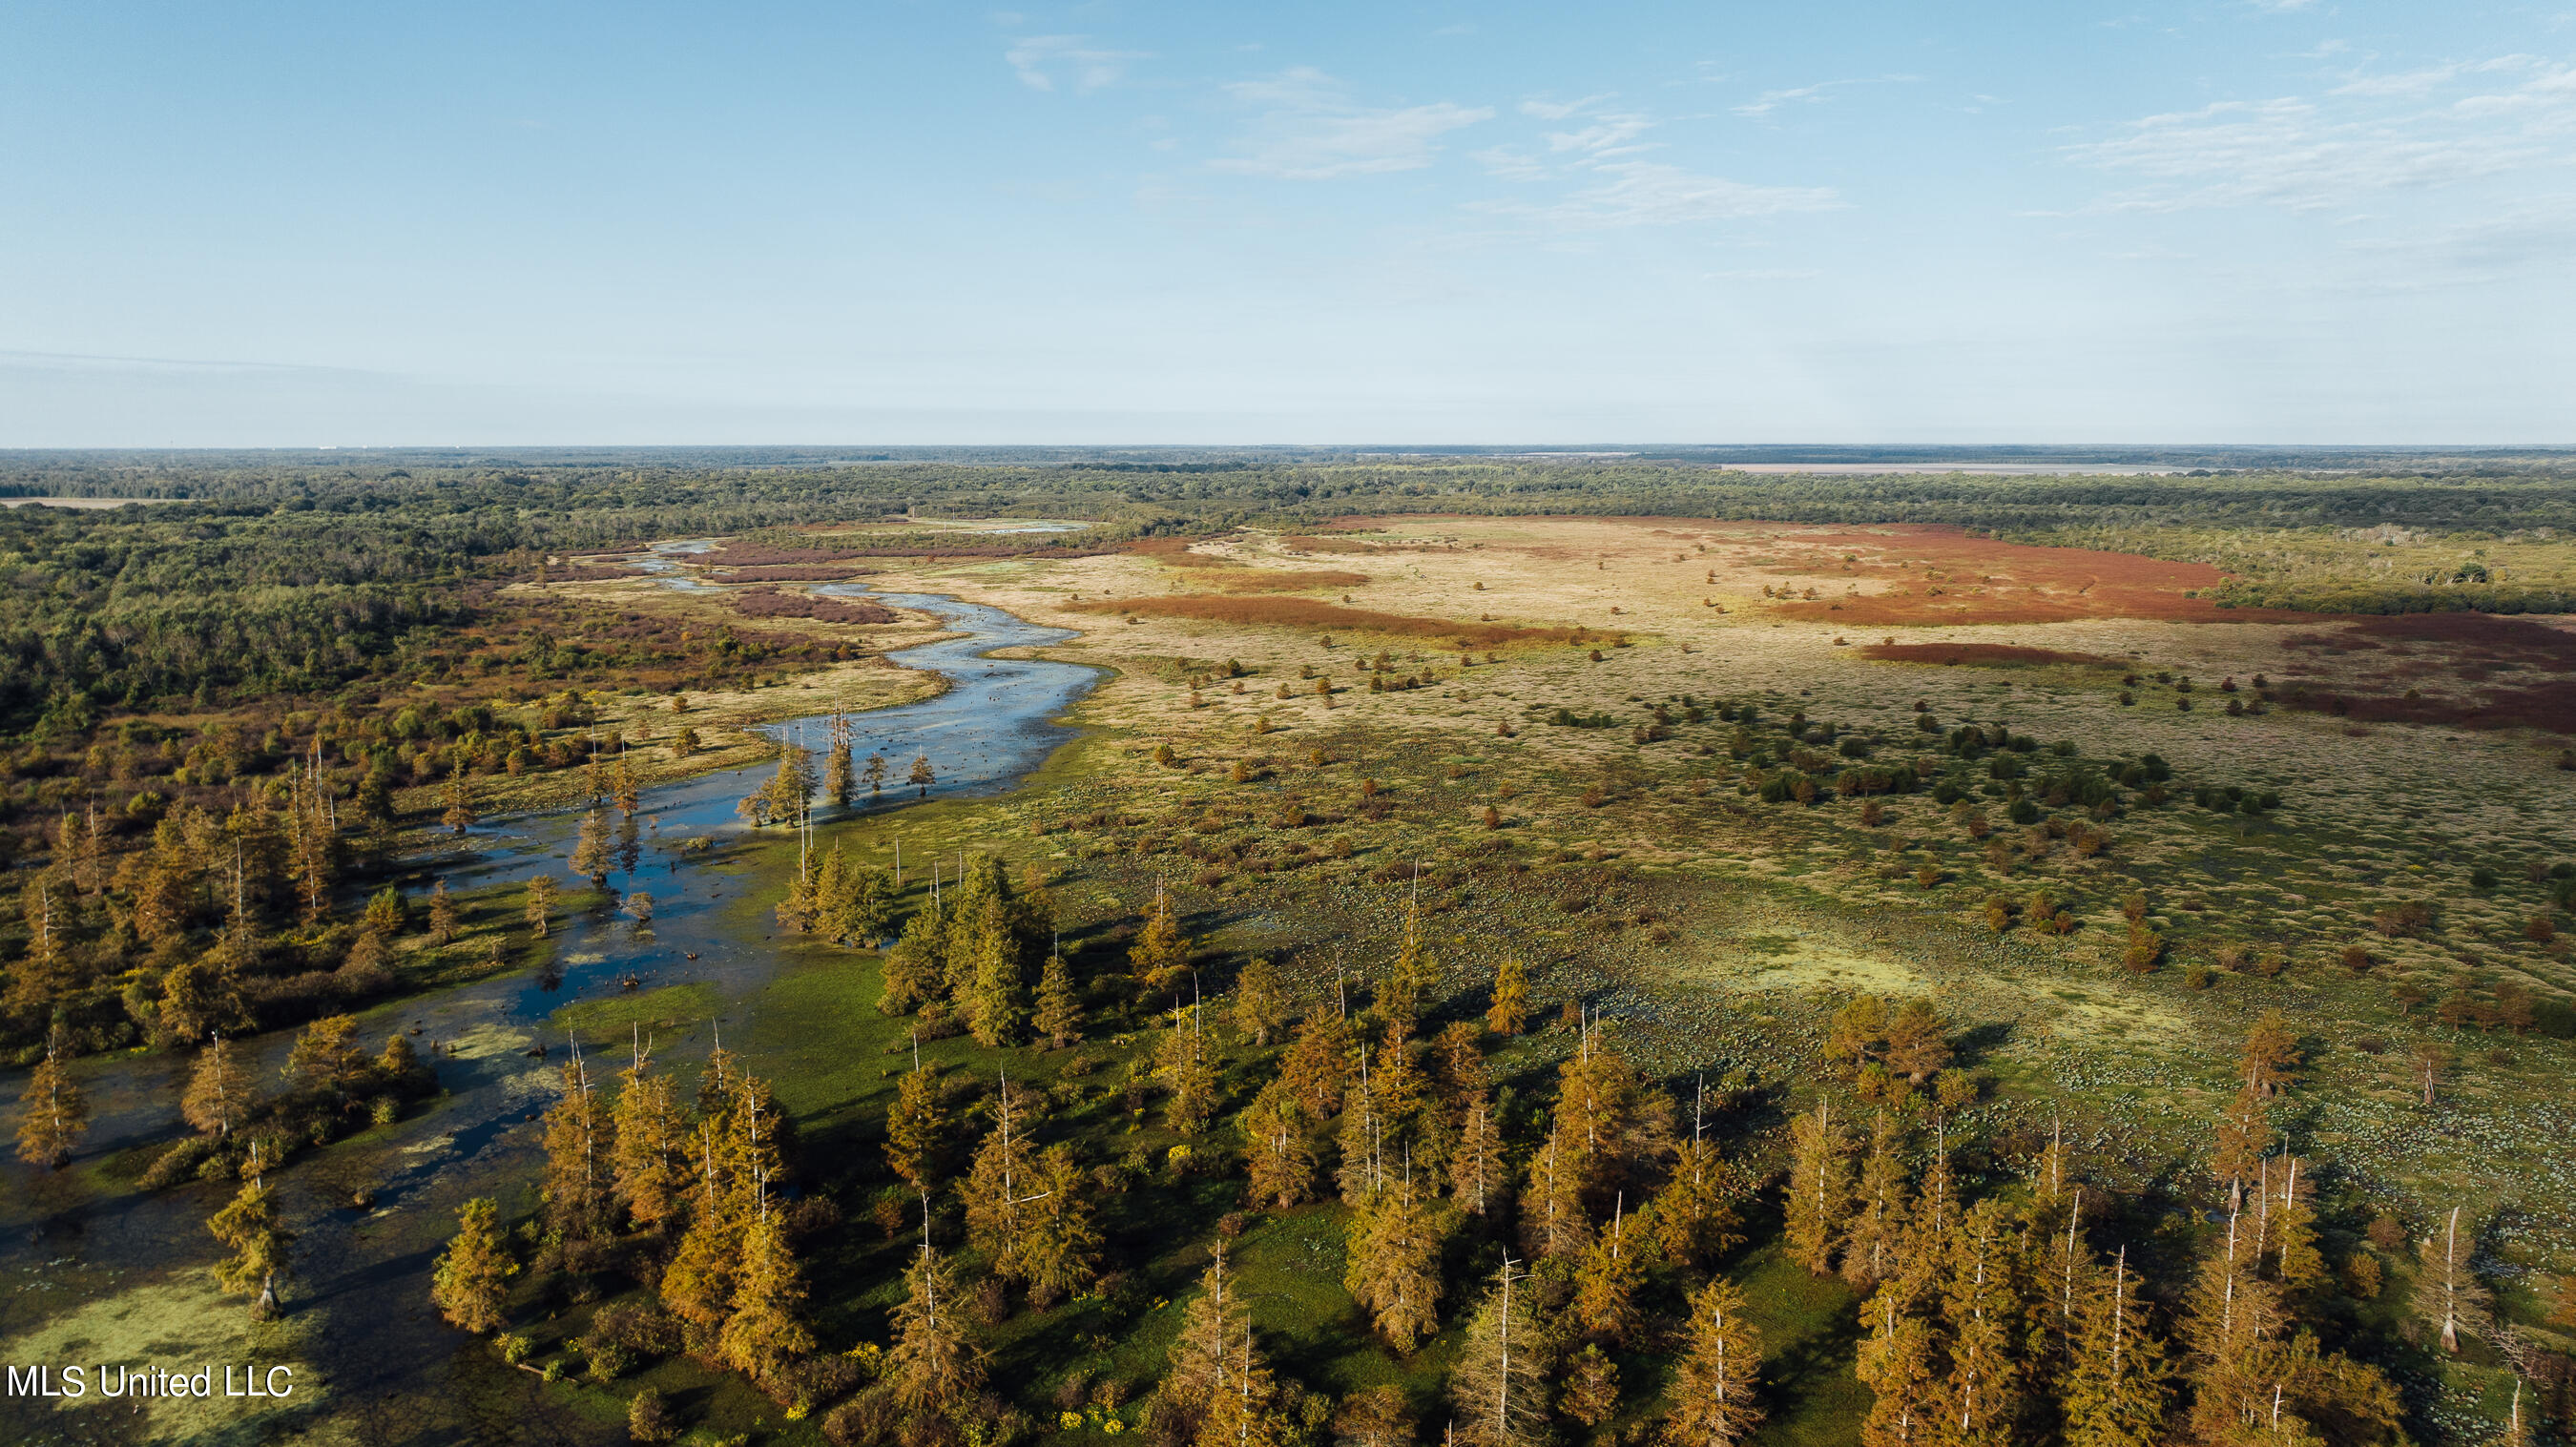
(1551, 110)
(1310, 128)
(2372, 134)
(1655, 193)
(1606, 135)
(1511, 163)
(1772, 100)
(1038, 60)
(1601, 160)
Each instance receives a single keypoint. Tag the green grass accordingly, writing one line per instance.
(607, 1021)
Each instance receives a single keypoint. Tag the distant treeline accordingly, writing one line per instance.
(270, 574)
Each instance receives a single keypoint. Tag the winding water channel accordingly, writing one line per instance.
(361, 1298)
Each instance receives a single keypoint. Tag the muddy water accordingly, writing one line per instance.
(359, 1309)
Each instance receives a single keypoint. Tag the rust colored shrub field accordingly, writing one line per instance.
(770, 603)
(1923, 574)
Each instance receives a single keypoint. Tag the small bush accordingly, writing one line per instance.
(648, 1420)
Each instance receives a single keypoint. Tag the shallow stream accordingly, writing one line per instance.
(360, 1307)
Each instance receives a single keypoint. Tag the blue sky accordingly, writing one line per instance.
(910, 223)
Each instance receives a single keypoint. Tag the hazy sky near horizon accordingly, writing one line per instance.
(2242, 220)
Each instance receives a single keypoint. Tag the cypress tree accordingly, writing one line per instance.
(1280, 1159)
(862, 907)
(1694, 1216)
(1872, 1247)
(1394, 1263)
(2244, 1135)
(2116, 1388)
(649, 1172)
(917, 1128)
(915, 971)
(1714, 1383)
(934, 1368)
(326, 1059)
(1918, 1044)
(1552, 1220)
(2302, 1265)
(1818, 1194)
(2272, 1055)
(753, 1141)
(1161, 954)
(1591, 1387)
(442, 914)
(204, 994)
(1000, 1186)
(53, 1113)
(219, 1095)
(541, 903)
(1059, 1014)
(698, 1285)
(997, 1001)
(1199, 1355)
(718, 1079)
(580, 1157)
(1499, 1385)
(1980, 1395)
(1245, 1413)
(1060, 1243)
(1362, 1171)
(590, 855)
(1509, 1013)
(460, 815)
(1181, 1059)
(1606, 1281)
(1260, 1002)
(1934, 1217)
(470, 1283)
(801, 910)
(1318, 1064)
(1409, 980)
(838, 777)
(1896, 1362)
(766, 1332)
(249, 1230)
(1476, 1169)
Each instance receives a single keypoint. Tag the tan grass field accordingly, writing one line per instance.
(1642, 875)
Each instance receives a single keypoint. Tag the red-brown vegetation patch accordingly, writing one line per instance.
(577, 573)
(770, 603)
(1328, 618)
(1984, 655)
(1936, 574)
(2476, 647)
